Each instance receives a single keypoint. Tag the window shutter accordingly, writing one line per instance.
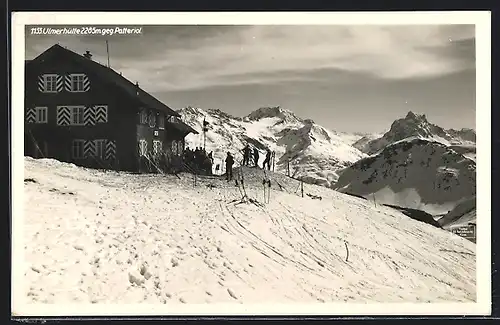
(67, 82)
(86, 83)
(63, 115)
(89, 149)
(30, 115)
(110, 152)
(101, 113)
(60, 83)
(89, 116)
(41, 83)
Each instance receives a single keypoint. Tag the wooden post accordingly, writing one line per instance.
(204, 138)
(288, 168)
(302, 186)
(273, 158)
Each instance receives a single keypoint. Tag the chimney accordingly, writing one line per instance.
(137, 84)
(88, 55)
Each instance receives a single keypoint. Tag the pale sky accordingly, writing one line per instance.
(345, 78)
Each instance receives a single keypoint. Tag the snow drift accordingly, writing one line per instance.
(413, 173)
(110, 237)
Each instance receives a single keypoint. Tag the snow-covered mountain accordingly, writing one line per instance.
(98, 237)
(414, 125)
(314, 153)
(413, 173)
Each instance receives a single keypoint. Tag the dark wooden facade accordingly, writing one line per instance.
(77, 110)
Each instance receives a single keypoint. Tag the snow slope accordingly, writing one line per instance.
(413, 173)
(461, 215)
(315, 152)
(109, 237)
(414, 125)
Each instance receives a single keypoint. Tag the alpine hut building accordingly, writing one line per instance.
(79, 111)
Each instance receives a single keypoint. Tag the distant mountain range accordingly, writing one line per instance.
(314, 152)
(415, 164)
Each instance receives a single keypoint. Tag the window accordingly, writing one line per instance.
(41, 114)
(99, 146)
(161, 121)
(152, 119)
(144, 116)
(78, 82)
(77, 115)
(77, 149)
(143, 147)
(49, 83)
(157, 147)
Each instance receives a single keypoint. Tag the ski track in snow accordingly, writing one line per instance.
(113, 237)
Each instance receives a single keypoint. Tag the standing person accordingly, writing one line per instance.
(246, 155)
(256, 157)
(267, 161)
(229, 166)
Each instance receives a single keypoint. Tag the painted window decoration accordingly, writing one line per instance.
(161, 121)
(152, 119)
(143, 147)
(77, 149)
(144, 116)
(157, 147)
(77, 83)
(50, 83)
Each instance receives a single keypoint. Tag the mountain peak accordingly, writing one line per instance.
(273, 111)
(414, 126)
(410, 115)
(191, 110)
(415, 117)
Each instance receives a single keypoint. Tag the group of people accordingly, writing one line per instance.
(254, 154)
(198, 160)
(248, 153)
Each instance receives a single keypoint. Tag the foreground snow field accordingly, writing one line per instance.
(108, 237)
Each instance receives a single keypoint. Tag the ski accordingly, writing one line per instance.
(266, 182)
(268, 190)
